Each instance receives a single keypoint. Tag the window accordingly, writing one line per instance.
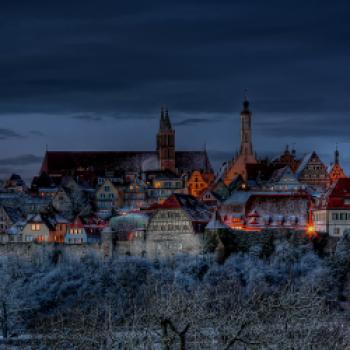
(35, 227)
(107, 188)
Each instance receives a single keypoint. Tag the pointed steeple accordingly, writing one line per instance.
(336, 155)
(166, 142)
(162, 120)
(167, 120)
(286, 151)
(165, 123)
(245, 103)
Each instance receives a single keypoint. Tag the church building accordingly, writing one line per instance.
(88, 166)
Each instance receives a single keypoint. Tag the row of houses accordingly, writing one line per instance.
(162, 202)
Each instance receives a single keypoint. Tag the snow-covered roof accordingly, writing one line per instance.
(215, 223)
(238, 197)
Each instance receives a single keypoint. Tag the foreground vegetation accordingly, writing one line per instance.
(290, 299)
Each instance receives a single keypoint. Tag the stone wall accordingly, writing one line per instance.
(35, 251)
(225, 243)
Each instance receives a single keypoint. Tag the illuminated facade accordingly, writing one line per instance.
(199, 182)
(332, 213)
(336, 171)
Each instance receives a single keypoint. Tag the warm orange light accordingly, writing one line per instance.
(310, 230)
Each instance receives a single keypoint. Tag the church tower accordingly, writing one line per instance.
(246, 154)
(246, 149)
(166, 142)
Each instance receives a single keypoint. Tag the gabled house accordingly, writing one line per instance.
(283, 179)
(35, 230)
(177, 226)
(76, 233)
(198, 182)
(62, 202)
(331, 213)
(107, 198)
(312, 171)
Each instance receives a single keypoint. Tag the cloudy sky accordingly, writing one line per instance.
(93, 75)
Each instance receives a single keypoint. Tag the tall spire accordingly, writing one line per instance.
(245, 102)
(336, 155)
(246, 148)
(167, 120)
(161, 121)
(165, 123)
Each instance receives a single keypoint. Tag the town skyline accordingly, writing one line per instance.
(28, 164)
(77, 76)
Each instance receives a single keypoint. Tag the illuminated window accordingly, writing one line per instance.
(35, 227)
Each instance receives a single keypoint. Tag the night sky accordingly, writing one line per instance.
(92, 75)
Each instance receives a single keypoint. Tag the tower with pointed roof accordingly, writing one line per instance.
(246, 154)
(166, 142)
(336, 172)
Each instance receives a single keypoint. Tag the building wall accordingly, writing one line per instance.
(107, 196)
(171, 232)
(196, 184)
(58, 234)
(61, 202)
(334, 222)
(32, 233)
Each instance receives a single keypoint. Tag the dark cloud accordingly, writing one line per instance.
(195, 56)
(193, 121)
(87, 117)
(9, 134)
(308, 126)
(21, 160)
(118, 62)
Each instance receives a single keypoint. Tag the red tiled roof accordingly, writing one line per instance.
(196, 210)
(338, 195)
(63, 162)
